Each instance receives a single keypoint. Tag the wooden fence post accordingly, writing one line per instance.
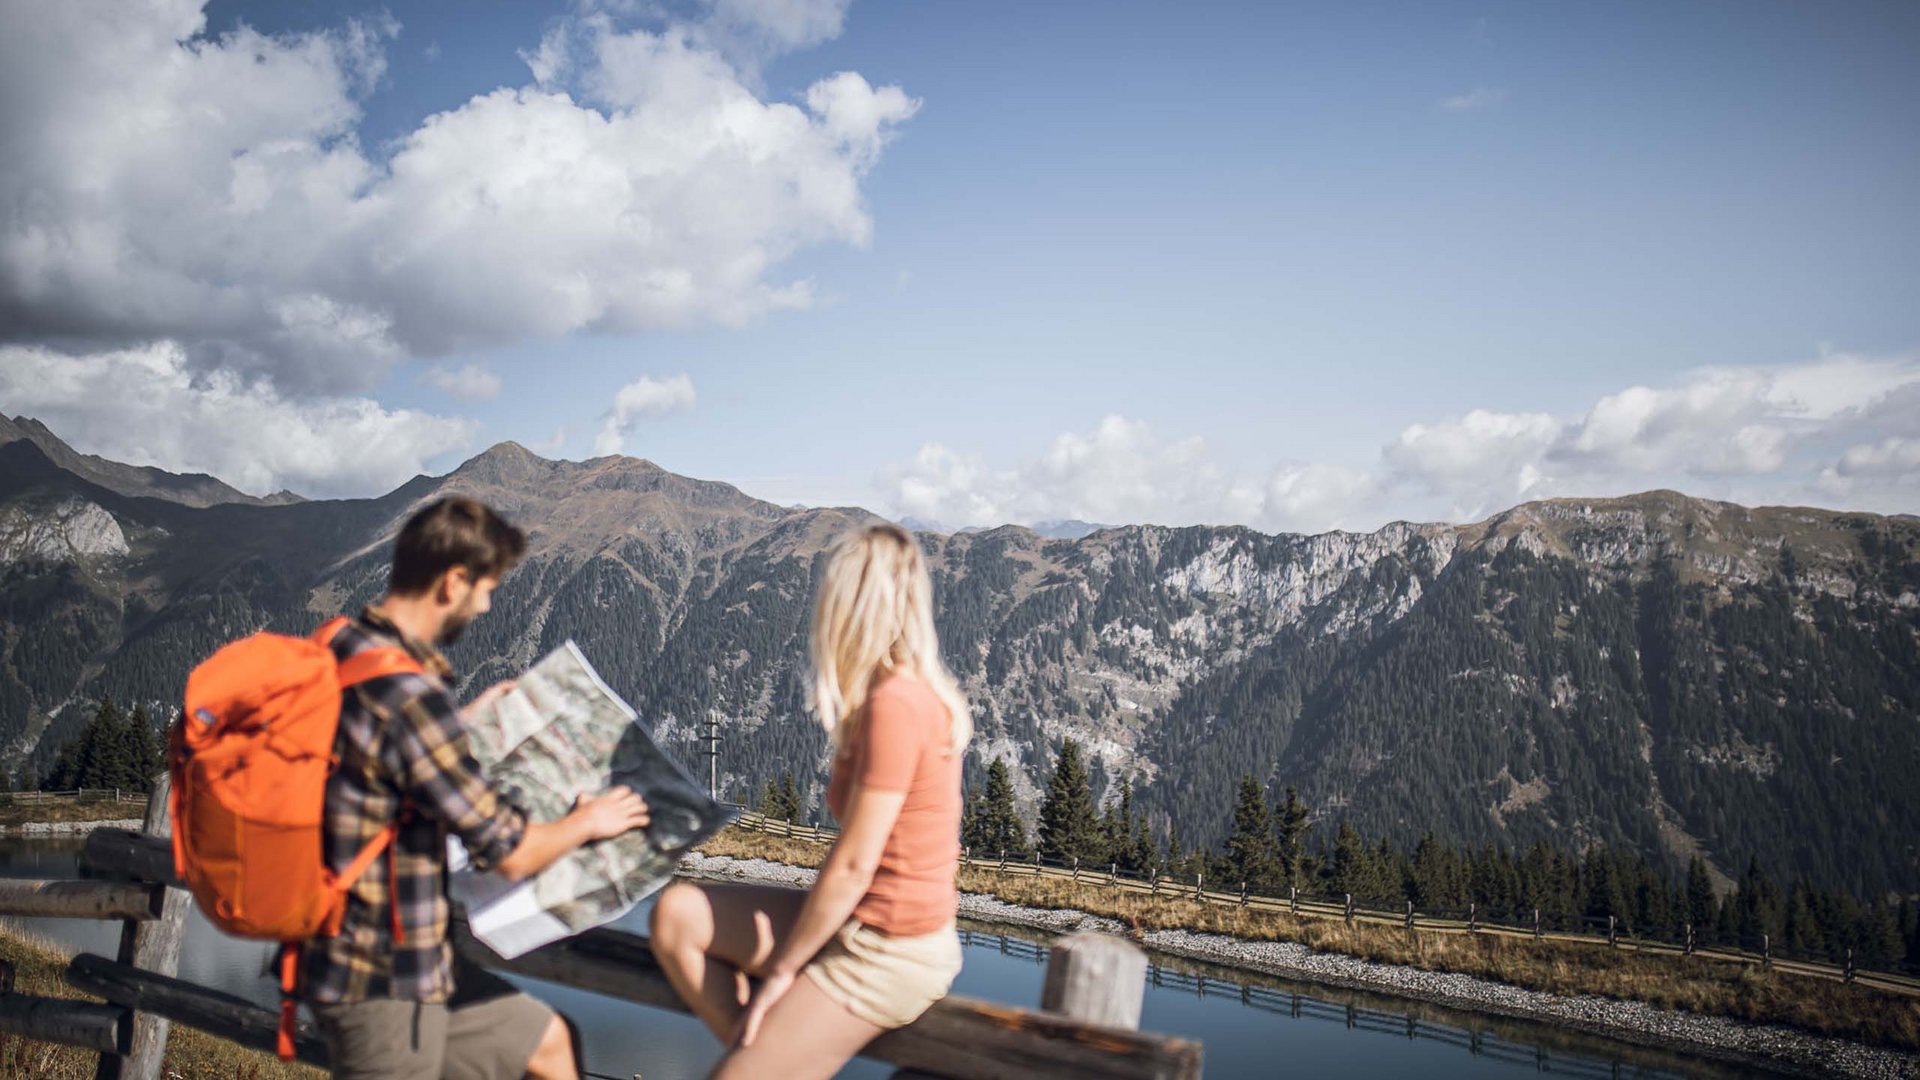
(151, 945)
(1200, 886)
(1847, 973)
(1613, 937)
(1766, 951)
(1349, 897)
(1473, 918)
(1293, 899)
(1689, 949)
(1536, 922)
(1097, 978)
(1409, 914)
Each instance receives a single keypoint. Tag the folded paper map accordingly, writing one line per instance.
(559, 734)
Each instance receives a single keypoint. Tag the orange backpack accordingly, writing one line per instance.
(249, 760)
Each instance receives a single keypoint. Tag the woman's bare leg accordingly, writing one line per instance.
(708, 938)
(805, 1035)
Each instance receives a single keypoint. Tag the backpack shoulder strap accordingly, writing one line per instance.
(374, 663)
(366, 664)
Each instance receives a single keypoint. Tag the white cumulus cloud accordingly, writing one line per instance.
(163, 184)
(644, 397)
(1841, 426)
(469, 382)
(148, 405)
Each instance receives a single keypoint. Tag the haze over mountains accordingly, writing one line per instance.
(1669, 672)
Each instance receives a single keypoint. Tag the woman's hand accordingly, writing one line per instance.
(772, 989)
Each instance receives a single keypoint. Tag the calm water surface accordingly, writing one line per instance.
(1252, 1026)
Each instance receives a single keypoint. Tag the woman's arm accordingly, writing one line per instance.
(844, 879)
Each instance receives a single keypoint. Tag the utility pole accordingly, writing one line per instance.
(710, 749)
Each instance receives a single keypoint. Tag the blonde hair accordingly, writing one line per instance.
(874, 617)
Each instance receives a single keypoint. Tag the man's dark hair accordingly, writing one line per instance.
(455, 531)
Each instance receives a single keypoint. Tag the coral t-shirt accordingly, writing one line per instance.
(901, 745)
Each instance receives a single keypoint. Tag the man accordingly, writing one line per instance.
(387, 992)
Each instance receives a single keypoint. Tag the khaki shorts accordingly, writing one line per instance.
(886, 981)
(489, 1031)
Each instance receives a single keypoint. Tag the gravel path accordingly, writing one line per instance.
(1773, 1047)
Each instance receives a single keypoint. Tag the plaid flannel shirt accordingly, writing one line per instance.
(403, 754)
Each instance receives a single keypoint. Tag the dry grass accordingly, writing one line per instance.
(40, 968)
(53, 811)
(1710, 987)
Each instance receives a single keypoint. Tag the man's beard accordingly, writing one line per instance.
(451, 629)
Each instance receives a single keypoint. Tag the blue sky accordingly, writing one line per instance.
(1299, 266)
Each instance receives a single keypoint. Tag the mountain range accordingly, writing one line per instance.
(1676, 674)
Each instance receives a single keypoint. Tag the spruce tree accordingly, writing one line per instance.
(1700, 905)
(1145, 853)
(999, 827)
(1068, 826)
(1352, 869)
(1290, 838)
(790, 798)
(1249, 854)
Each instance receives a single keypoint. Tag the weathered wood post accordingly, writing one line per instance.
(150, 945)
(1536, 923)
(1293, 899)
(1613, 937)
(1409, 914)
(1473, 917)
(1766, 951)
(1098, 978)
(1349, 897)
(1076, 870)
(1689, 949)
(1200, 885)
(1243, 894)
(1847, 973)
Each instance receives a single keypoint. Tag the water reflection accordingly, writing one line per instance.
(1251, 1025)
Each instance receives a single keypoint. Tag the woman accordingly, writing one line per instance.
(872, 945)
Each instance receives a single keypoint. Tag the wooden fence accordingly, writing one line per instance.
(1086, 1027)
(85, 795)
(1472, 921)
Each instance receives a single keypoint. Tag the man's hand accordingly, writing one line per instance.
(610, 813)
(487, 697)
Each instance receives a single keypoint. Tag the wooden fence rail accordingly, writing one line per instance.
(959, 1038)
(124, 795)
(1445, 923)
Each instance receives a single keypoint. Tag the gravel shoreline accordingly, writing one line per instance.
(1770, 1046)
(65, 828)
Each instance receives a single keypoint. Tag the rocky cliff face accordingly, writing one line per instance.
(1674, 673)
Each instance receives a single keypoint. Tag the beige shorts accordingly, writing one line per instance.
(886, 981)
(489, 1031)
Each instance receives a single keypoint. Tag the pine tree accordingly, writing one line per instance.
(1250, 856)
(998, 827)
(1351, 869)
(777, 800)
(1290, 838)
(1068, 826)
(1700, 905)
(790, 798)
(145, 750)
(1146, 853)
(1116, 827)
